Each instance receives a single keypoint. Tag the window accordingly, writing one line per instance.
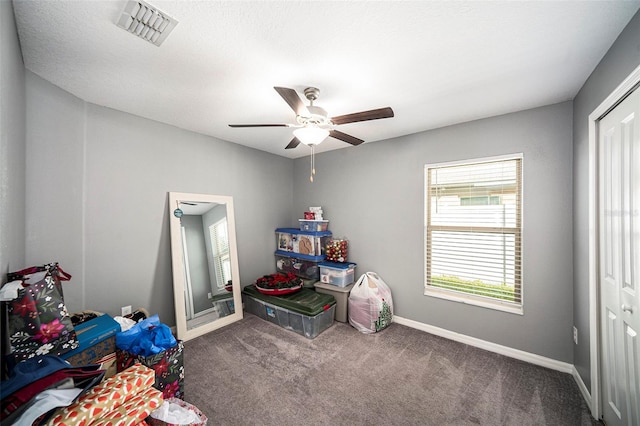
(220, 247)
(473, 231)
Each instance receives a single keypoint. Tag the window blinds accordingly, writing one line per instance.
(221, 259)
(473, 228)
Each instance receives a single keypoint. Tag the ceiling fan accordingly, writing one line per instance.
(313, 124)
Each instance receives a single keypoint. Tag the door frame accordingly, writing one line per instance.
(626, 87)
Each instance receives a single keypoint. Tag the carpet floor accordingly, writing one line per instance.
(253, 372)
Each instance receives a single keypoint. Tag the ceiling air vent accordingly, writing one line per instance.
(145, 21)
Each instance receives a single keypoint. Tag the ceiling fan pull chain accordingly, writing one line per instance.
(313, 169)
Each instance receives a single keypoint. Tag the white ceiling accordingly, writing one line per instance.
(436, 63)
(196, 208)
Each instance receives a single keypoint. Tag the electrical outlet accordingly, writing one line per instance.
(575, 335)
(126, 310)
(209, 295)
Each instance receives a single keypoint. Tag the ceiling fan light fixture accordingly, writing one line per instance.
(311, 135)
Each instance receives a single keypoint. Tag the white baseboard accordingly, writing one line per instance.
(583, 388)
(493, 347)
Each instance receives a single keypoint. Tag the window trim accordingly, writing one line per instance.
(217, 256)
(460, 297)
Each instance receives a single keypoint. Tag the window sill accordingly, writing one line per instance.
(476, 301)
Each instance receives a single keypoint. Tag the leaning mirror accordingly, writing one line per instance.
(206, 281)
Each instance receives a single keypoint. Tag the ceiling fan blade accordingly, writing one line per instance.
(373, 114)
(291, 97)
(259, 125)
(345, 137)
(294, 142)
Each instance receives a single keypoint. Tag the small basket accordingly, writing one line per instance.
(156, 422)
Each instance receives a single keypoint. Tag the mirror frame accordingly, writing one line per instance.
(178, 266)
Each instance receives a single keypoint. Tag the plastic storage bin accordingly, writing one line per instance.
(302, 242)
(305, 312)
(305, 267)
(341, 295)
(223, 304)
(314, 225)
(338, 274)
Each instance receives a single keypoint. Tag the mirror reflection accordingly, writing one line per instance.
(206, 281)
(205, 245)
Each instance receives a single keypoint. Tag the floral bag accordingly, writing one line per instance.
(39, 323)
(168, 366)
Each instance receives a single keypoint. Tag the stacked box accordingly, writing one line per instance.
(305, 312)
(314, 225)
(96, 338)
(338, 274)
(303, 266)
(341, 295)
(302, 242)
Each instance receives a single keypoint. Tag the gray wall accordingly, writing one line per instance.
(618, 63)
(98, 178)
(12, 155)
(12, 146)
(373, 195)
(97, 198)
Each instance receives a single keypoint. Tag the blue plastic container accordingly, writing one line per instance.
(302, 242)
(303, 266)
(338, 274)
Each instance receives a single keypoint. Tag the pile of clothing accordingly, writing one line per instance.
(43, 388)
(47, 390)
